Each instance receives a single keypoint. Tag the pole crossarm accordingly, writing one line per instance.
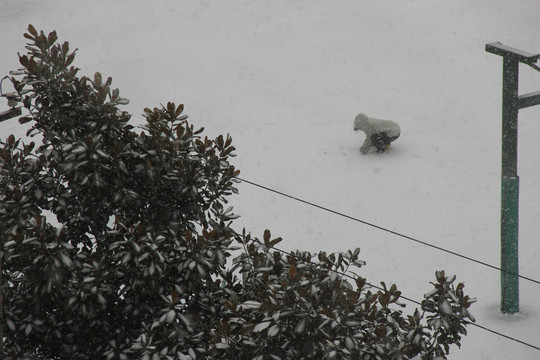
(12, 98)
(11, 113)
(521, 56)
(506, 51)
(529, 99)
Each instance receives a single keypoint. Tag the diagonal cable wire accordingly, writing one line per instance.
(508, 337)
(338, 272)
(387, 230)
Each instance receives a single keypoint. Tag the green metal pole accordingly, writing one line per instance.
(510, 180)
(509, 245)
(509, 189)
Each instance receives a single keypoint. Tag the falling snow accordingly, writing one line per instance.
(286, 79)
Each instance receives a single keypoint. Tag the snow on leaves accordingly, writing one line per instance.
(300, 305)
(116, 242)
(130, 266)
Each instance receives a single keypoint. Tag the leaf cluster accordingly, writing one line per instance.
(111, 239)
(117, 244)
(300, 305)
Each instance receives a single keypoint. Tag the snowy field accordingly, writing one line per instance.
(286, 78)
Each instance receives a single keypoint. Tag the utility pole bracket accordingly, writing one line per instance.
(11, 113)
(506, 51)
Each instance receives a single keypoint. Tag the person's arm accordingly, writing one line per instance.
(366, 146)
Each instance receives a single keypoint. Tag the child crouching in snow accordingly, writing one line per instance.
(379, 133)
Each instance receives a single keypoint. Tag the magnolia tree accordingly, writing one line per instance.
(118, 244)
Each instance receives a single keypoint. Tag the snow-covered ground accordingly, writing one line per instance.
(286, 78)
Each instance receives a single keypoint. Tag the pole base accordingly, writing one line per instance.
(509, 245)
